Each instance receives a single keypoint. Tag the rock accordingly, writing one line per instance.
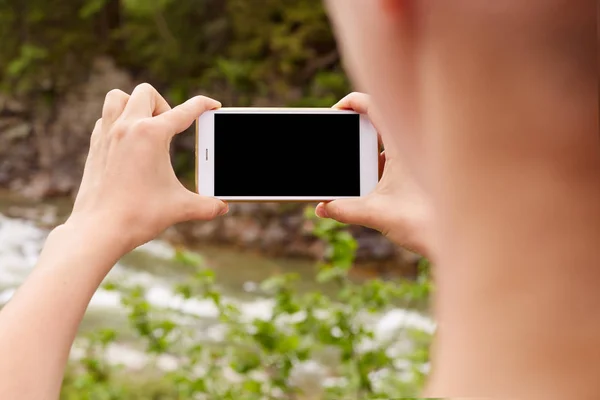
(292, 221)
(4, 176)
(274, 235)
(271, 209)
(176, 235)
(10, 105)
(38, 187)
(308, 227)
(317, 250)
(43, 215)
(244, 209)
(250, 287)
(43, 148)
(66, 141)
(243, 230)
(13, 129)
(205, 230)
(375, 246)
(410, 257)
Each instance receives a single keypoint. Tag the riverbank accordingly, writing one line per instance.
(42, 155)
(271, 230)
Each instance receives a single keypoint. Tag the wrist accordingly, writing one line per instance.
(92, 233)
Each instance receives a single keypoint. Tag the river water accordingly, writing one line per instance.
(154, 267)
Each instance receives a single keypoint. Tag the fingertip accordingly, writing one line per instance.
(320, 211)
(224, 208)
(355, 101)
(214, 104)
(338, 106)
(209, 103)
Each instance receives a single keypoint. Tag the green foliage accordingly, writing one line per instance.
(265, 52)
(91, 8)
(263, 358)
(46, 47)
(241, 52)
(29, 56)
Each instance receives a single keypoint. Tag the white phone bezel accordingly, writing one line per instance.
(205, 150)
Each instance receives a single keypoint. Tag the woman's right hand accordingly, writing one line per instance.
(397, 207)
(129, 186)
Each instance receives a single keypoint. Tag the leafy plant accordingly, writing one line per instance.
(309, 346)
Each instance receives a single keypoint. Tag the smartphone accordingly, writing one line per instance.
(253, 154)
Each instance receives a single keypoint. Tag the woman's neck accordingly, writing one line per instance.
(518, 236)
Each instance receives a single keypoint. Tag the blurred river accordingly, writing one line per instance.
(154, 266)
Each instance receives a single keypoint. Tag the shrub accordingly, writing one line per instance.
(310, 346)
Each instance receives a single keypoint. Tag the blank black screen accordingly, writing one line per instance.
(303, 155)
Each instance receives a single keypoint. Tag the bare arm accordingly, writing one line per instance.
(129, 194)
(38, 326)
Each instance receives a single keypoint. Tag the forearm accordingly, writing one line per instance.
(38, 326)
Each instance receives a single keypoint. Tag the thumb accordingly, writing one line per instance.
(350, 211)
(201, 208)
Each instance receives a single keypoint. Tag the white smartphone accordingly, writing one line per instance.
(286, 154)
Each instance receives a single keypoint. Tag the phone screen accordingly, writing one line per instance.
(291, 155)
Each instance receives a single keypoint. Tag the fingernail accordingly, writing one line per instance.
(321, 212)
(216, 104)
(224, 210)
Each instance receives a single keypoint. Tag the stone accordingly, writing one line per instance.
(241, 230)
(47, 145)
(307, 228)
(206, 230)
(11, 105)
(317, 250)
(274, 235)
(292, 221)
(4, 175)
(244, 208)
(375, 246)
(38, 187)
(410, 257)
(16, 132)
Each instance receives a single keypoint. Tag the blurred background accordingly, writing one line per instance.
(266, 303)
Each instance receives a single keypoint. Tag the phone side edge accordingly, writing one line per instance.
(369, 156)
(196, 161)
(205, 154)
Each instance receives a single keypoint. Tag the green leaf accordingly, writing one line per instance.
(30, 54)
(188, 258)
(288, 344)
(107, 336)
(91, 7)
(251, 386)
(184, 290)
(245, 361)
(329, 274)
